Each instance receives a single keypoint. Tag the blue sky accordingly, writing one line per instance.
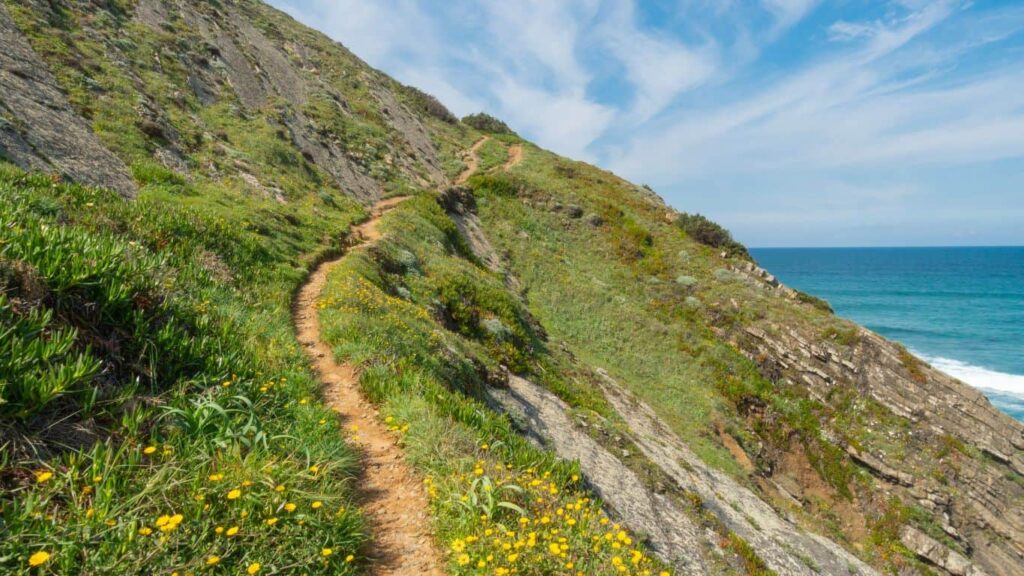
(792, 122)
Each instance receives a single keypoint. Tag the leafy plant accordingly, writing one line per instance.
(703, 230)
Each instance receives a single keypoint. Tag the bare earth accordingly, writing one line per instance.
(515, 156)
(472, 162)
(392, 496)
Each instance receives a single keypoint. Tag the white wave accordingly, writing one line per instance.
(979, 377)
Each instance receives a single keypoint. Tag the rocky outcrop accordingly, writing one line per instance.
(782, 545)
(933, 552)
(460, 204)
(975, 493)
(39, 130)
(261, 72)
(673, 536)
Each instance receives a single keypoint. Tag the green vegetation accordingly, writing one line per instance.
(156, 417)
(432, 329)
(492, 154)
(669, 356)
(844, 334)
(710, 234)
(486, 123)
(646, 302)
(912, 364)
(431, 105)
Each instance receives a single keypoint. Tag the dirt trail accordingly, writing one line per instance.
(391, 495)
(472, 161)
(515, 156)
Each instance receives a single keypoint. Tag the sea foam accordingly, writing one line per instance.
(980, 377)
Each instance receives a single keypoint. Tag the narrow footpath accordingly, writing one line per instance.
(392, 497)
(472, 161)
(515, 156)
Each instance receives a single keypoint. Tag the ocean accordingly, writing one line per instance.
(961, 309)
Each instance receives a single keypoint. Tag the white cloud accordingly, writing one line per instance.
(843, 111)
(659, 68)
(566, 122)
(788, 12)
(842, 31)
(693, 101)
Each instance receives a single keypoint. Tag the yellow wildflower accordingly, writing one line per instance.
(326, 552)
(212, 560)
(43, 476)
(145, 531)
(271, 521)
(232, 531)
(316, 505)
(38, 558)
(289, 507)
(253, 568)
(234, 494)
(149, 450)
(216, 477)
(349, 558)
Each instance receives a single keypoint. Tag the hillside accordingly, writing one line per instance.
(266, 310)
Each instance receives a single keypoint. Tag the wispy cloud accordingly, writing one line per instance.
(767, 103)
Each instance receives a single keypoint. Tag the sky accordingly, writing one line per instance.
(791, 122)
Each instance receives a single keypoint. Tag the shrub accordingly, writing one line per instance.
(819, 303)
(431, 105)
(498, 184)
(711, 234)
(487, 123)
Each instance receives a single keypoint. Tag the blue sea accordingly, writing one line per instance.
(961, 309)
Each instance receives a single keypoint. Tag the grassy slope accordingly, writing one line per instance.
(198, 389)
(229, 258)
(176, 310)
(650, 305)
(612, 319)
(430, 327)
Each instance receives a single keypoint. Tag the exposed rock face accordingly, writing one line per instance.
(780, 544)
(39, 130)
(257, 69)
(975, 493)
(460, 204)
(673, 535)
(783, 546)
(932, 551)
(230, 55)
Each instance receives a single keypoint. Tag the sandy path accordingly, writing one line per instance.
(391, 495)
(515, 156)
(472, 161)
